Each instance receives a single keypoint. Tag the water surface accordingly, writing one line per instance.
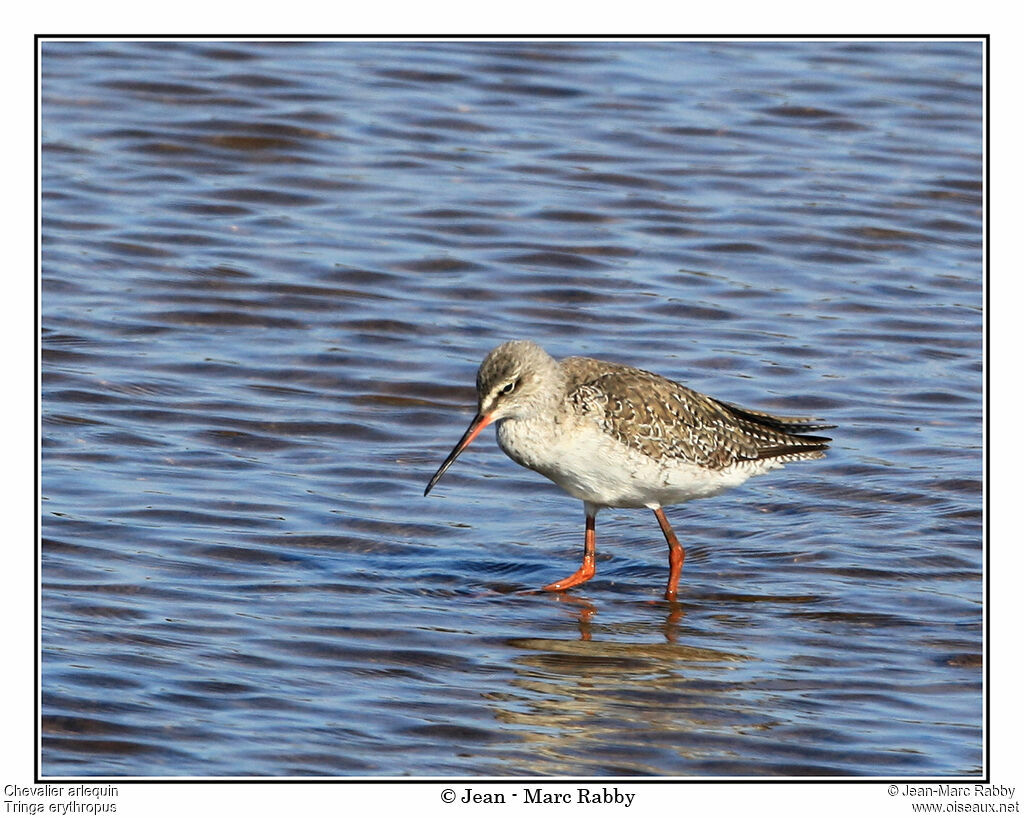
(269, 273)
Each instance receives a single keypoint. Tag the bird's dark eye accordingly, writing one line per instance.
(508, 387)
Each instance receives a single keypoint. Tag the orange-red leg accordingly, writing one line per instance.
(676, 555)
(587, 569)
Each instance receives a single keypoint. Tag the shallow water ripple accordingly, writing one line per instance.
(269, 273)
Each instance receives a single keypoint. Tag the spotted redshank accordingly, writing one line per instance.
(618, 437)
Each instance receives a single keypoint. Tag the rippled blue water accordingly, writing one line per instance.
(269, 273)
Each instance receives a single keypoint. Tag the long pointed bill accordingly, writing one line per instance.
(480, 422)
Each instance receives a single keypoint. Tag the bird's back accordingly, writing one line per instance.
(670, 422)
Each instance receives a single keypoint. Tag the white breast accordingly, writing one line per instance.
(598, 469)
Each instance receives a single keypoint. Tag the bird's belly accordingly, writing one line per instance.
(600, 470)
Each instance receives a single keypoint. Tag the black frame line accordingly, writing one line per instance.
(639, 782)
